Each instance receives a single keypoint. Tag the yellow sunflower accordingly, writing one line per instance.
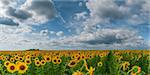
(1, 57)
(36, 58)
(21, 58)
(16, 57)
(6, 63)
(6, 57)
(22, 67)
(47, 58)
(43, 62)
(11, 68)
(54, 60)
(11, 59)
(125, 65)
(59, 61)
(28, 61)
(28, 56)
(72, 63)
(100, 64)
(77, 73)
(37, 63)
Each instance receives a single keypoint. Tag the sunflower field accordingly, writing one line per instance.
(75, 62)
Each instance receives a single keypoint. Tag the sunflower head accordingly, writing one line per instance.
(37, 63)
(77, 73)
(1, 57)
(28, 61)
(36, 58)
(125, 65)
(6, 63)
(28, 56)
(43, 62)
(59, 61)
(22, 67)
(21, 58)
(91, 71)
(11, 59)
(72, 63)
(100, 64)
(6, 57)
(16, 57)
(47, 58)
(11, 68)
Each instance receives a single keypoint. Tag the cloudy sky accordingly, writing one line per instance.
(74, 24)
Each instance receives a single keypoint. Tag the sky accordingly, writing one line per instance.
(74, 24)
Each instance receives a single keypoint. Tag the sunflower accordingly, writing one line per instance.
(54, 60)
(1, 57)
(100, 64)
(22, 67)
(125, 65)
(73, 56)
(28, 61)
(37, 63)
(47, 58)
(11, 59)
(21, 58)
(43, 62)
(6, 63)
(36, 58)
(17, 62)
(91, 71)
(16, 57)
(101, 55)
(72, 63)
(83, 56)
(77, 73)
(59, 61)
(11, 68)
(27, 56)
(6, 57)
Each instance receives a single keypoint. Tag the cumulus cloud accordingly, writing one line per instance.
(31, 12)
(60, 33)
(108, 11)
(102, 39)
(8, 21)
(19, 14)
(41, 10)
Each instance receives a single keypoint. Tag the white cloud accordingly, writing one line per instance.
(80, 16)
(31, 12)
(59, 33)
(52, 32)
(42, 10)
(44, 32)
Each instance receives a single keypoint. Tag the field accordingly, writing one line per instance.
(75, 62)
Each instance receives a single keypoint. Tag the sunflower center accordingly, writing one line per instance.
(48, 59)
(54, 60)
(78, 58)
(7, 63)
(28, 61)
(12, 67)
(22, 67)
(38, 63)
(72, 63)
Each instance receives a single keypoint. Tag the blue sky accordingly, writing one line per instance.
(74, 24)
